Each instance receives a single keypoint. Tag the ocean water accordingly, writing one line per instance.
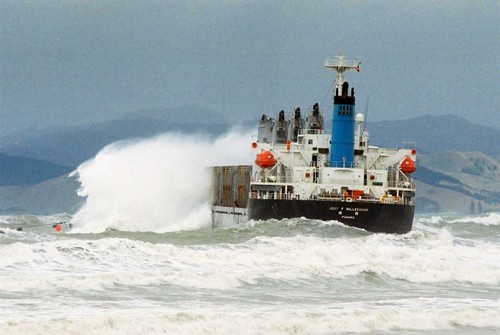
(142, 258)
(272, 277)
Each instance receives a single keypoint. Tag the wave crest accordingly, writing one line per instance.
(159, 184)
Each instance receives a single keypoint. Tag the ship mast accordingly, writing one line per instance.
(340, 65)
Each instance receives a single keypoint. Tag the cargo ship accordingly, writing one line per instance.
(304, 171)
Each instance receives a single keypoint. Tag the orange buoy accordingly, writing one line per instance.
(408, 165)
(265, 160)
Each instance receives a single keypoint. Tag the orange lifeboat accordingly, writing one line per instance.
(265, 160)
(408, 165)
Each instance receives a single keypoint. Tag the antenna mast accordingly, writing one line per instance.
(340, 65)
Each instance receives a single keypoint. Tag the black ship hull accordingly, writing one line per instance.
(373, 217)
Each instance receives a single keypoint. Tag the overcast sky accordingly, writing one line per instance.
(75, 62)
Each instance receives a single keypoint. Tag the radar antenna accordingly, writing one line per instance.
(339, 64)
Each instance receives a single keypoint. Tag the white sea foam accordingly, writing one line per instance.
(101, 264)
(488, 219)
(414, 315)
(158, 184)
(435, 219)
(420, 282)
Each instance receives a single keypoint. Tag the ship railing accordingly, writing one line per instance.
(340, 164)
(330, 62)
(311, 131)
(402, 185)
(312, 179)
(272, 179)
(320, 197)
(281, 196)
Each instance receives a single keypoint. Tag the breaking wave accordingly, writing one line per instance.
(486, 219)
(158, 184)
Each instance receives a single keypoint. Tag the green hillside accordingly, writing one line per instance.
(458, 182)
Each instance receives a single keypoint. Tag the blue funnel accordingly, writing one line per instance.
(344, 114)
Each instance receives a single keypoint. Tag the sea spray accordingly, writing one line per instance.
(158, 184)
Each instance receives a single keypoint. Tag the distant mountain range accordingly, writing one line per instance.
(72, 146)
(437, 134)
(458, 167)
